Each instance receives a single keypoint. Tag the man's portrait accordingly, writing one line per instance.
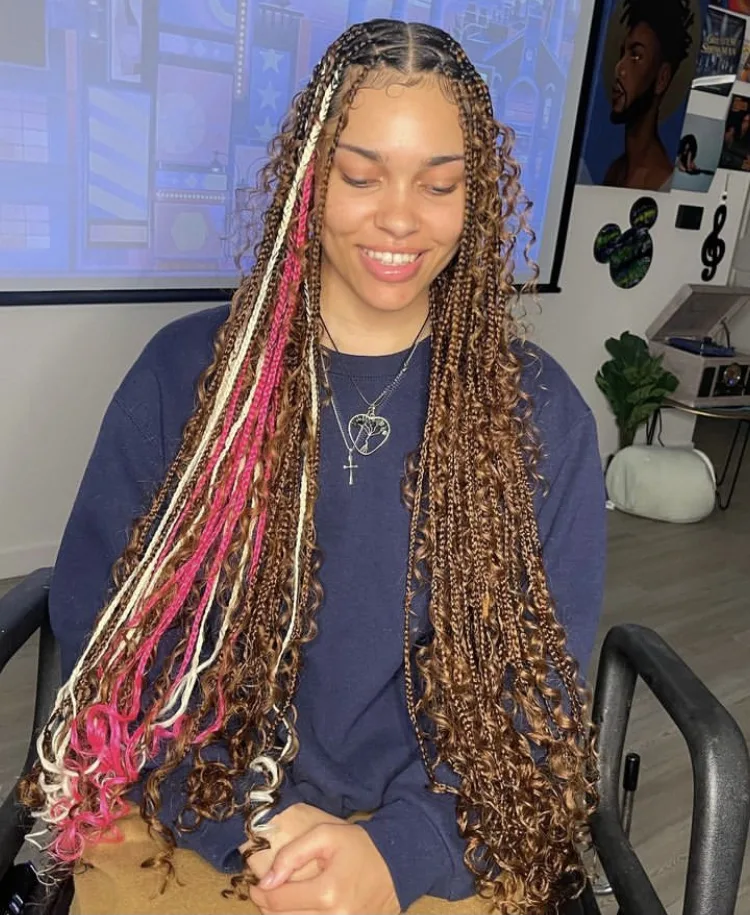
(645, 74)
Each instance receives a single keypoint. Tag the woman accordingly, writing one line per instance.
(290, 640)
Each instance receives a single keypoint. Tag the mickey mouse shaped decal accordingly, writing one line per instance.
(629, 253)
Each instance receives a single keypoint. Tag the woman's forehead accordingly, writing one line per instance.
(402, 116)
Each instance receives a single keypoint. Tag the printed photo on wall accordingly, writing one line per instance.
(743, 73)
(647, 56)
(735, 152)
(698, 153)
(720, 55)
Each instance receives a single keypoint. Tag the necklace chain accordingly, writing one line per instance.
(380, 401)
(370, 423)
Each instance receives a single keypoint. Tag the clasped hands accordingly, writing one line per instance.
(318, 863)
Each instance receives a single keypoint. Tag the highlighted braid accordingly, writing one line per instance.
(215, 596)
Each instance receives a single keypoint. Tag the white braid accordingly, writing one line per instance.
(241, 347)
(61, 737)
(263, 795)
(197, 668)
(55, 779)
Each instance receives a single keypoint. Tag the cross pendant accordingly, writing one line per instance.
(351, 467)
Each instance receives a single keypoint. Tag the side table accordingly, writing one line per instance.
(726, 481)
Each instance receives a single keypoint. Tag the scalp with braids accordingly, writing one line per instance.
(200, 644)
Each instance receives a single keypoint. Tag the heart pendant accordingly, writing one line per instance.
(376, 431)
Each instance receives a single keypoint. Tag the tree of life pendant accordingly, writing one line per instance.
(376, 430)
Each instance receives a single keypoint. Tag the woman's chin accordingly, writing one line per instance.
(390, 297)
(392, 304)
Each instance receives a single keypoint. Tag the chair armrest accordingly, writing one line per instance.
(22, 610)
(721, 775)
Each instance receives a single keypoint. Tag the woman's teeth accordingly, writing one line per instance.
(391, 258)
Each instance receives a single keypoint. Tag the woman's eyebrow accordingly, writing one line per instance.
(374, 156)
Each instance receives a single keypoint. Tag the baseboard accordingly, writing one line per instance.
(21, 560)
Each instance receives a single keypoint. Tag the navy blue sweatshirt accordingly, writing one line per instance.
(357, 748)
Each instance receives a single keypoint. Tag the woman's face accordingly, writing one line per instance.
(395, 207)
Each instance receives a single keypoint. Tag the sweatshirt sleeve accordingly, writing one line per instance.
(416, 833)
(571, 515)
(415, 830)
(125, 469)
(122, 475)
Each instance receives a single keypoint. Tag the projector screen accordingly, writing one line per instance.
(130, 130)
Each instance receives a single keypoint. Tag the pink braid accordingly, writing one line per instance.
(103, 733)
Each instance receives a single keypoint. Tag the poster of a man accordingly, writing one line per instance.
(646, 70)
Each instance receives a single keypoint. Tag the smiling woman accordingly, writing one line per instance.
(395, 210)
(339, 655)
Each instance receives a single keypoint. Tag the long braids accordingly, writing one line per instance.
(231, 531)
(500, 698)
(94, 746)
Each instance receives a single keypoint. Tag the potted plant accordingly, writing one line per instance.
(634, 382)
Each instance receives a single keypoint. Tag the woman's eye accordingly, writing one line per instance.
(357, 182)
(442, 191)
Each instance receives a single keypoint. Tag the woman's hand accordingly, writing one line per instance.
(352, 876)
(287, 826)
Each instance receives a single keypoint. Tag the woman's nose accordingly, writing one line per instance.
(397, 214)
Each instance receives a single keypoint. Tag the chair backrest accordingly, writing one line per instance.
(23, 611)
(721, 772)
(717, 747)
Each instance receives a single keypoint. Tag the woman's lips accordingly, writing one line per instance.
(391, 273)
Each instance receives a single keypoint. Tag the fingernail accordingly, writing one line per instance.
(268, 881)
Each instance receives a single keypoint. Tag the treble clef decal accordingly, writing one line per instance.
(714, 248)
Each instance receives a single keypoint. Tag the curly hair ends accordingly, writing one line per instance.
(218, 594)
(672, 22)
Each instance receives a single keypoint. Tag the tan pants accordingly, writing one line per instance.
(116, 884)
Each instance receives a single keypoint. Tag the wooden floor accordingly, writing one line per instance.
(692, 585)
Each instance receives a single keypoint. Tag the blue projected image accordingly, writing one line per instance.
(130, 130)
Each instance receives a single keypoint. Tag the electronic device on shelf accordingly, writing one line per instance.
(688, 334)
(704, 347)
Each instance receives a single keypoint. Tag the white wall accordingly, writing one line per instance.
(60, 365)
(573, 325)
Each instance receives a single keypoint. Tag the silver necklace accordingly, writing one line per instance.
(384, 396)
(348, 443)
(375, 429)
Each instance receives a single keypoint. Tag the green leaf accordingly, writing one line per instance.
(644, 392)
(633, 380)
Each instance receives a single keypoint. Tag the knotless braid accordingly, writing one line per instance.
(199, 647)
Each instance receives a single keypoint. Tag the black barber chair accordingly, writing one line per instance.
(721, 768)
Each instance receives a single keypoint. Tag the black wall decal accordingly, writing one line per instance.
(714, 248)
(629, 254)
